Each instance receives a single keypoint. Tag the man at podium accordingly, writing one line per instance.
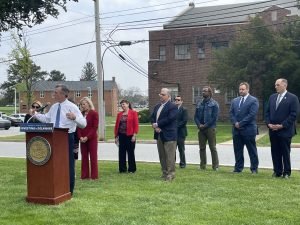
(64, 114)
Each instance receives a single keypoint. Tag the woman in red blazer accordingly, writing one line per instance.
(88, 138)
(126, 129)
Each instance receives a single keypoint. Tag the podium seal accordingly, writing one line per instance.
(38, 151)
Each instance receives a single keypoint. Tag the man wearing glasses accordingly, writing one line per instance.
(182, 118)
(163, 120)
(206, 116)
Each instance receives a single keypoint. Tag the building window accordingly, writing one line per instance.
(197, 94)
(174, 92)
(219, 45)
(229, 96)
(77, 94)
(274, 15)
(201, 51)
(42, 94)
(182, 51)
(90, 94)
(162, 53)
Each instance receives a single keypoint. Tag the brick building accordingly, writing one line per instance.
(180, 55)
(43, 91)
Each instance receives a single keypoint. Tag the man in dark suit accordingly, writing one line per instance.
(243, 112)
(163, 120)
(182, 118)
(280, 118)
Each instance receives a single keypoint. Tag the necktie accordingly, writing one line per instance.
(57, 117)
(278, 100)
(242, 102)
(159, 111)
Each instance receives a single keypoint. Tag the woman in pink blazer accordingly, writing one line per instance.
(126, 129)
(88, 138)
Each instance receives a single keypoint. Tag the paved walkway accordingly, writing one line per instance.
(148, 153)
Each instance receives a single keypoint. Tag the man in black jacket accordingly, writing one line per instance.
(182, 118)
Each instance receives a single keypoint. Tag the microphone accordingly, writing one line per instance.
(42, 108)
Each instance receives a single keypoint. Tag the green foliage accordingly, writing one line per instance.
(56, 75)
(17, 14)
(144, 116)
(88, 72)
(258, 56)
(193, 198)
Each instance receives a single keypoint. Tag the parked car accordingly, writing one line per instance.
(14, 121)
(19, 116)
(4, 123)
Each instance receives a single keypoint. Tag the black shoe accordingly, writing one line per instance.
(182, 166)
(276, 175)
(254, 172)
(286, 176)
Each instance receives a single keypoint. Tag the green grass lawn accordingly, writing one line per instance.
(194, 197)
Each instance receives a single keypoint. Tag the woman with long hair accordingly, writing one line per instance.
(126, 129)
(88, 138)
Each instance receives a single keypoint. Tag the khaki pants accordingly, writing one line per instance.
(204, 136)
(166, 152)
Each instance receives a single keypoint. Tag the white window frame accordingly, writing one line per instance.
(42, 94)
(162, 53)
(182, 51)
(174, 92)
(201, 50)
(77, 94)
(196, 94)
(229, 96)
(274, 16)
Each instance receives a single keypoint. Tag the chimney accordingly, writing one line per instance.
(113, 79)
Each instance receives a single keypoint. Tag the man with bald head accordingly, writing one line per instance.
(280, 118)
(163, 120)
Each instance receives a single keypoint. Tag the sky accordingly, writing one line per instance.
(118, 17)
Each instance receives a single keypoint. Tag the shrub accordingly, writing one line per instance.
(144, 116)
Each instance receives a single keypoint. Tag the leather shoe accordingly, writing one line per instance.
(276, 175)
(286, 176)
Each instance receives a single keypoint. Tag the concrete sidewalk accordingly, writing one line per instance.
(148, 153)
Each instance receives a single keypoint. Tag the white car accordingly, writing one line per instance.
(19, 116)
(4, 123)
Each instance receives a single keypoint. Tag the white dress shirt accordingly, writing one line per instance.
(66, 107)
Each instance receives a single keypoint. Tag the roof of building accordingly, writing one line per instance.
(226, 14)
(73, 85)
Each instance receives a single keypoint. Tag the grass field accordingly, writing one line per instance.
(193, 198)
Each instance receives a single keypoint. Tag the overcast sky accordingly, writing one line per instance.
(76, 26)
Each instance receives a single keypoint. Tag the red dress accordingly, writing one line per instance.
(89, 148)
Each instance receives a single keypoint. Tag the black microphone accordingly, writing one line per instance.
(42, 108)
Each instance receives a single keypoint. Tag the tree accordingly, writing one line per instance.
(56, 75)
(23, 73)
(257, 56)
(133, 95)
(17, 14)
(88, 72)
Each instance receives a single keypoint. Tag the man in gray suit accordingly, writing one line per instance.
(182, 118)
(243, 112)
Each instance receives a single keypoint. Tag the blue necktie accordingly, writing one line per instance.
(242, 102)
(57, 117)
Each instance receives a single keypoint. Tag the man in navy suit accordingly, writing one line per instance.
(243, 112)
(280, 118)
(163, 120)
(182, 118)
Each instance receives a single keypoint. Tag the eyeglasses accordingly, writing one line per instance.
(35, 106)
(176, 99)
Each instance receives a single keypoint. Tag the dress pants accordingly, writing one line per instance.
(167, 152)
(89, 150)
(239, 141)
(126, 146)
(71, 162)
(280, 151)
(204, 136)
(181, 149)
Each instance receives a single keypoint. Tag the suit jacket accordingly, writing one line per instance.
(182, 118)
(90, 131)
(132, 123)
(285, 114)
(244, 115)
(166, 121)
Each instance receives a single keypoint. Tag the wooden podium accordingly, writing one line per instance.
(47, 173)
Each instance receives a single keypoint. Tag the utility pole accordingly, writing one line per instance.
(100, 86)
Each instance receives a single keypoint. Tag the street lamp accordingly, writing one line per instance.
(15, 99)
